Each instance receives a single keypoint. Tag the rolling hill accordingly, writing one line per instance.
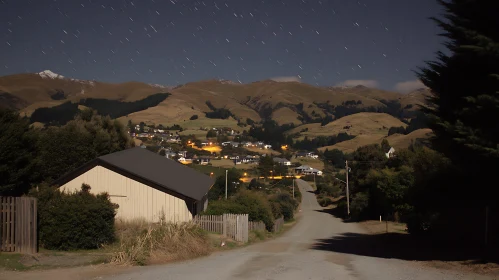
(302, 104)
(365, 123)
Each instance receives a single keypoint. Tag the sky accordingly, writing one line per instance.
(376, 43)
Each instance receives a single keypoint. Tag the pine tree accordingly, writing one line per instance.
(464, 105)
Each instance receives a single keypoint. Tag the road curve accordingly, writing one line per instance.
(297, 255)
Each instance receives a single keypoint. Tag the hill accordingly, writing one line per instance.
(45, 89)
(398, 141)
(365, 123)
(203, 101)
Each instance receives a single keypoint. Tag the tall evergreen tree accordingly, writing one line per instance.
(464, 105)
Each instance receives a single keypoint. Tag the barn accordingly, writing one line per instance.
(144, 184)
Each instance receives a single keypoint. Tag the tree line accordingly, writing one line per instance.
(30, 156)
(65, 112)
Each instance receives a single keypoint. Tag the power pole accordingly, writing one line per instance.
(348, 191)
(226, 172)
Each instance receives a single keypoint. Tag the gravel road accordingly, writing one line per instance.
(299, 254)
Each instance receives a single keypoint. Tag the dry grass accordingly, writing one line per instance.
(227, 163)
(262, 151)
(286, 115)
(360, 124)
(399, 141)
(352, 145)
(142, 243)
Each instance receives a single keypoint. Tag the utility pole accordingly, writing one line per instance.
(226, 172)
(348, 191)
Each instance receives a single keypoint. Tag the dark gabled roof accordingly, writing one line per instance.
(151, 169)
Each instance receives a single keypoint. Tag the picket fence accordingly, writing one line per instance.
(278, 224)
(256, 226)
(18, 225)
(234, 226)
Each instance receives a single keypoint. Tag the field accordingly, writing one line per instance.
(397, 141)
(262, 151)
(227, 163)
(359, 124)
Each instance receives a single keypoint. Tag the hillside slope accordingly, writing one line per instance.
(365, 123)
(284, 102)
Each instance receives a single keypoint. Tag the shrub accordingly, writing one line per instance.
(324, 202)
(283, 205)
(142, 243)
(193, 117)
(254, 204)
(327, 189)
(78, 220)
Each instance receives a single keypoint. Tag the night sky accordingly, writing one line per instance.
(373, 42)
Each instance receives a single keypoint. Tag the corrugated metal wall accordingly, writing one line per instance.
(135, 199)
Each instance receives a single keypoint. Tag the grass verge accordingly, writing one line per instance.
(141, 243)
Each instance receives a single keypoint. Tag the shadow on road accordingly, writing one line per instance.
(400, 246)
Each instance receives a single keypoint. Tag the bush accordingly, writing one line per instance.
(78, 220)
(329, 190)
(254, 204)
(142, 243)
(283, 205)
(324, 202)
(193, 117)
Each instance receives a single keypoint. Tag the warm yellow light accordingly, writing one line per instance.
(245, 174)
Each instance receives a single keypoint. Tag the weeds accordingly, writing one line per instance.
(142, 243)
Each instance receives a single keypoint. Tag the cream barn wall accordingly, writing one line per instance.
(135, 199)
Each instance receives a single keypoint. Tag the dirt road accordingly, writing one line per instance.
(314, 249)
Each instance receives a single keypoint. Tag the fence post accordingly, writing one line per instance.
(224, 225)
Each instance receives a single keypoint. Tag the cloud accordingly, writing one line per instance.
(352, 83)
(408, 86)
(286, 79)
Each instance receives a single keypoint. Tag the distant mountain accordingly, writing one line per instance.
(284, 102)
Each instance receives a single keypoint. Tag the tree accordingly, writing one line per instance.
(464, 104)
(17, 154)
(335, 157)
(385, 146)
(218, 190)
(266, 166)
(162, 153)
(193, 117)
(211, 133)
(63, 149)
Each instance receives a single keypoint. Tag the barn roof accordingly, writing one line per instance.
(151, 169)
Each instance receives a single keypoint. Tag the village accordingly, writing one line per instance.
(214, 151)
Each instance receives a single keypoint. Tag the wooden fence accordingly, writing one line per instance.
(234, 226)
(229, 225)
(211, 223)
(18, 225)
(256, 226)
(278, 223)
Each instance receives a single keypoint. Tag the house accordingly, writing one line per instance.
(144, 185)
(204, 161)
(185, 160)
(306, 154)
(307, 170)
(182, 154)
(390, 153)
(266, 146)
(170, 155)
(282, 161)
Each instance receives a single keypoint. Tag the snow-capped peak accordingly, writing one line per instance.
(50, 75)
